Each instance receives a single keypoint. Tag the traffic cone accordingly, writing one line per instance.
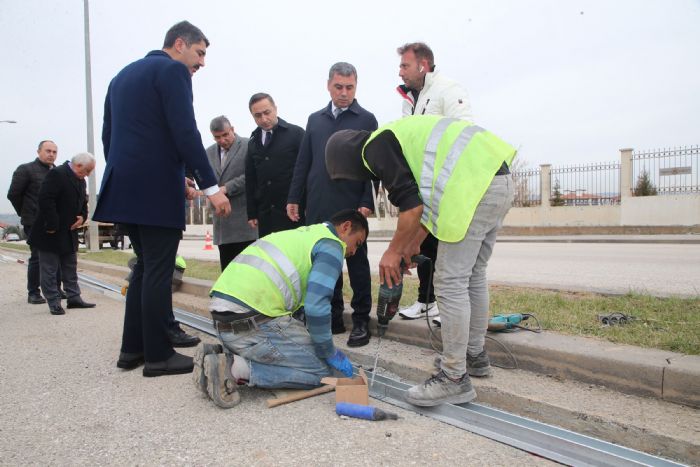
(207, 242)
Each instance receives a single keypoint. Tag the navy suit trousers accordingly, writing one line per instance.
(149, 300)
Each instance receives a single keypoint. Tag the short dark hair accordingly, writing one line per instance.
(41, 143)
(219, 124)
(186, 31)
(257, 97)
(342, 69)
(357, 220)
(420, 50)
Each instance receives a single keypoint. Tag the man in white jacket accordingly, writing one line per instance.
(427, 92)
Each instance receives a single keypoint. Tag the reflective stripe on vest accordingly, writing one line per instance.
(443, 175)
(287, 268)
(270, 275)
(453, 163)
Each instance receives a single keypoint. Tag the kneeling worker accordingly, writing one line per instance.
(451, 178)
(255, 304)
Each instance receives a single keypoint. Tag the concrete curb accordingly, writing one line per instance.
(632, 370)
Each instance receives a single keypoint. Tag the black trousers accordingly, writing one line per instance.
(34, 270)
(149, 300)
(428, 248)
(228, 251)
(361, 283)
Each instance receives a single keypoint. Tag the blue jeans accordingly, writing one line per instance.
(280, 353)
(460, 279)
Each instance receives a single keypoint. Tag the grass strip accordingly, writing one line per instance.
(661, 323)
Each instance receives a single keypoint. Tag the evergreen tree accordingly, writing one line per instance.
(557, 199)
(644, 186)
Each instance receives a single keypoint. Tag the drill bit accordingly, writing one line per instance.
(376, 358)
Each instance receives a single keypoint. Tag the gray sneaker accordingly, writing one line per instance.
(439, 388)
(221, 386)
(198, 376)
(478, 366)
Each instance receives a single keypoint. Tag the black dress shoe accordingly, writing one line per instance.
(359, 335)
(338, 328)
(77, 302)
(177, 364)
(62, 294)
(57, 310)
(36, 299)
(179, 338)
(129, 361)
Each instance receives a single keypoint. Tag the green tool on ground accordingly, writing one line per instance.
(511, 322)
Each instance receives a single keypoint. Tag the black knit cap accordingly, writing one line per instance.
(344, 155)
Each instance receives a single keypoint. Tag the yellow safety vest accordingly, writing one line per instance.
(271, 275)
(453, 162)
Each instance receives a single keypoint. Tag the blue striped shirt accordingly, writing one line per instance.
(326, 267)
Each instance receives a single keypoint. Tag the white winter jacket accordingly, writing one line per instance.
(439, 96)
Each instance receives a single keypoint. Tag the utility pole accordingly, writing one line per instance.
(93, 230)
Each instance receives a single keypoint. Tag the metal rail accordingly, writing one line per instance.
(557, 444)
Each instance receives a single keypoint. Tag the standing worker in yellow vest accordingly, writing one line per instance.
(256, 302)
(450, 178)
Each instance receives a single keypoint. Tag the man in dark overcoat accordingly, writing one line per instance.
(62, 211)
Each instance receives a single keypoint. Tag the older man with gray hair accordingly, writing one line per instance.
(227, 158)
(62, 211)
(324, 196)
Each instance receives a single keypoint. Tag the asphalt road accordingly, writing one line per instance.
(655, 268)
(64, 402)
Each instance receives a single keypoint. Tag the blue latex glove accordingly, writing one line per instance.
(341, 363)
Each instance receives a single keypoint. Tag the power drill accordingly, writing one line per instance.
(388, 298)
(387, 306)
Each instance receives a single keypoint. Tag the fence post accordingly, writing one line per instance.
(545, 184)
(626, 172)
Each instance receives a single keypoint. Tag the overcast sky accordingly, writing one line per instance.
(568, 82)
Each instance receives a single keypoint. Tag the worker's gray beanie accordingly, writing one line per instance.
(344, 155)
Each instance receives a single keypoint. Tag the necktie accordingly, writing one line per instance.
(224, 154)
(337, 111)
(267, 136)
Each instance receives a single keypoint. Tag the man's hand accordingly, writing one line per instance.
(220, 203)
(191, 193)
(77, 224)
(253, 223)
(341, 363)
(390, 268)
(222, 188)
(293, 212)
(365, 211)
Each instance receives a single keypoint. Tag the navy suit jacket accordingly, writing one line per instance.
(149, 135)
(325, 197)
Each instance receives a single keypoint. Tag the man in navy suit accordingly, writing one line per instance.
(150, 135)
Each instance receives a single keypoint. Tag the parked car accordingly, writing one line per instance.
(12, 237)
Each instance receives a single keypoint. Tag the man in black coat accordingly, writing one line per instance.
(272, 154)
(324, 196)
(24, 194)
(62, 210)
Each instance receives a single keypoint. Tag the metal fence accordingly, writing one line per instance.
(670, 171)
(586, 185)
(528, 187)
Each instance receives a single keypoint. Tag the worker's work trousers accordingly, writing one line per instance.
(280, 354)
(460, 279)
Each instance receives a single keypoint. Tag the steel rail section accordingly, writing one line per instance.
(557, 444)
(547, 441)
